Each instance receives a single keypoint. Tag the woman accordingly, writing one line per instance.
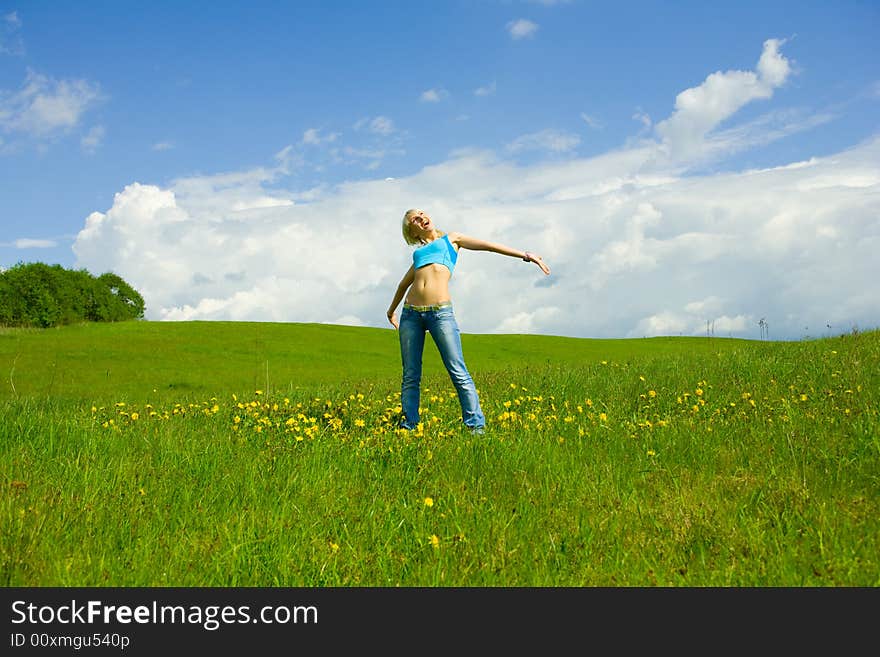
(428, 307)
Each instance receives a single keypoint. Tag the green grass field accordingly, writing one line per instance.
(255, 454)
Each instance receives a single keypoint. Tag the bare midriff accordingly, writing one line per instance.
(430, 286)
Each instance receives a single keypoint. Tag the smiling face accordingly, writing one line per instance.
(418, 227)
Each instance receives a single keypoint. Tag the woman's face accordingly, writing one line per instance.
(420, 225)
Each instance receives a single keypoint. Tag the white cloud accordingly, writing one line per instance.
(642, 118)
(521, 28)
(313, 137)
(433, 95)
(633, 252)
(93, 138)
(486, 90)
(214, 197)
(162, 146)
(699, 110)
(524, 322)
(591, 121)
(44, 107)
(710, 305)
(553, 141)
(663, 323)
(28, 243)
(380, 125)
(636, 248)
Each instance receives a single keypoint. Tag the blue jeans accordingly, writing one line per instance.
(440, 322)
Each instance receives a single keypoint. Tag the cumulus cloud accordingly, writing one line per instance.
(44, 107)
(701, 109)
(433, 95)
(637, 247)
(239, 258)
(521, 28)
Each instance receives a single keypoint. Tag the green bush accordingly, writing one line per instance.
(40, 295)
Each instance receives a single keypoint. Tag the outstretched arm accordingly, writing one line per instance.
(405, 282)
(474, 244)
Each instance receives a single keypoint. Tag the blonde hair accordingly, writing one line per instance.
(407, 235)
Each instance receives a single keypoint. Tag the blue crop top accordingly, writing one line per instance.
(440, 251)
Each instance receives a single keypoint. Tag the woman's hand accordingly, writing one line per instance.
(538, 260)
(393, 319)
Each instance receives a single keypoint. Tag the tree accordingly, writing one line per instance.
(40, 295)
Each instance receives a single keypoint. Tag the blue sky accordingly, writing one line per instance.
(679, 165)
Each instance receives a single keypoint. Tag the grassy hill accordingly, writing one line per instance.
(169, 359)
(245, 454)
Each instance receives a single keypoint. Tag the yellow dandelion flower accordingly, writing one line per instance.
(652, 393)
(135, 415)
(603, 417)
(435, 541)
(429, 501)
